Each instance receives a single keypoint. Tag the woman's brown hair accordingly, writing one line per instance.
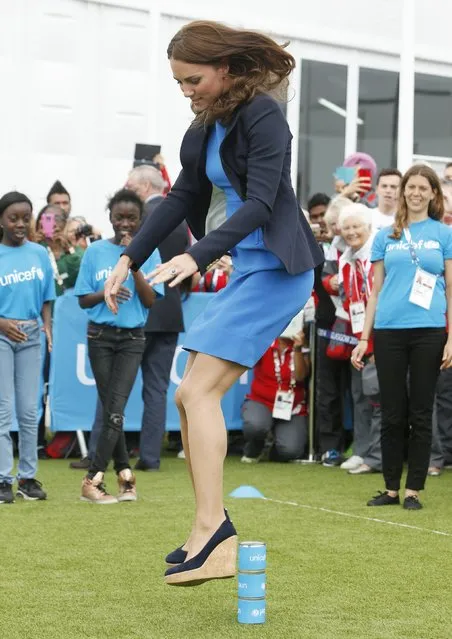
(257, 64)
(435, 207)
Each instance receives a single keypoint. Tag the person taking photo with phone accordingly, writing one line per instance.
(26, 291)
(360, 170)
(412, 292)
(65, 258)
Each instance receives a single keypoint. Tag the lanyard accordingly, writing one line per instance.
(414, 257)
(277, 362)
(56, 273)
(354, 279)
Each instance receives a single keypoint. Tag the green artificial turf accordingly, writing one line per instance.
(70, 569)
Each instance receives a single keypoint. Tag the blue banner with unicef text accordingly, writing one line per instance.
(72, 389)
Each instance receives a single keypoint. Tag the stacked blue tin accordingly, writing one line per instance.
(252, 582)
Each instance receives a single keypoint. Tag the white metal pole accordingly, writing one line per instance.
(351, 123)
(406, 87)
(293, 111)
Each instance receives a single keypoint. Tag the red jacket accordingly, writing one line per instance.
(212, 281)
(265, 386)
(356, 274)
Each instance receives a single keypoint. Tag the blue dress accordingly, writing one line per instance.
(243, 319)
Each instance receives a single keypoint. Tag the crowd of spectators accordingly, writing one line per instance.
(346, 415)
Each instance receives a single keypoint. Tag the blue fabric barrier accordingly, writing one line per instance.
(72, 389)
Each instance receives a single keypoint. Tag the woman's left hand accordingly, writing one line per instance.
(447, 356)
(176, 270)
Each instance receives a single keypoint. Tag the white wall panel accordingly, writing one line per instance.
(84, 80)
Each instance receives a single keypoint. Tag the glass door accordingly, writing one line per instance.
(322, 121)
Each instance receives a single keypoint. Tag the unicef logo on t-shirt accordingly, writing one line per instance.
(16, 277)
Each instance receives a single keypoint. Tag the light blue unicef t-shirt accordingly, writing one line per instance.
(26, 281)
(432, 243)
(98, 262)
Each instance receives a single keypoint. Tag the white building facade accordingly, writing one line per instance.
(84, 80)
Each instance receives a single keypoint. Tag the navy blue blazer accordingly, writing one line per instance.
(255, 155)
(166, 315)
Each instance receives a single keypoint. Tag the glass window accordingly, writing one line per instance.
(378, 115)
(433, 115)
(322, 126)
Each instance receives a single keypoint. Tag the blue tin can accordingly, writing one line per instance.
(252, 556)
(251, 584)
(251, 611)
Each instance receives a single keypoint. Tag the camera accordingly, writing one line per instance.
(85, 230)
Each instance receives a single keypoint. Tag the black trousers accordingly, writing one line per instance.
(417, 351)
(115, 355)
(156, 369)
(332, 381)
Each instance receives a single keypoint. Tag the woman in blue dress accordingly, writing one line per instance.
(240, 145)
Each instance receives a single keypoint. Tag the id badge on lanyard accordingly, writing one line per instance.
(423, 287)
(424, 282)
(357, 310)
(284, 400)
(283, 406)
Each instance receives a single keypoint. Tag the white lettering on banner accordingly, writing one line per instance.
(81, 366)
(404, 246)
(16, 277)
(73, 391)
(174, 377)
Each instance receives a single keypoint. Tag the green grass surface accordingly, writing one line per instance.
(70, 570)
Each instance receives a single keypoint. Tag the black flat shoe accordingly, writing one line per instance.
(217, 560)
(176, 557)
(412, 503)
(383, 499)
(142, 466)
(179, 555)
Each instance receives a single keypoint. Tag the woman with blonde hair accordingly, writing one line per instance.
(355, 286)
(412, 292)
(240, 142)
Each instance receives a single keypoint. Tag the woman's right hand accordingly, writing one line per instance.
(358, 186)
(358, 354)
(119, 275)
(11, 330)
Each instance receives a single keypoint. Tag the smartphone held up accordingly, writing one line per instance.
(48, 224)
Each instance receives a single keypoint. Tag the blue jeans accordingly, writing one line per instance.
(20, 369)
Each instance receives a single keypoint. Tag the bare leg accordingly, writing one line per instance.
(208, 379)
(183, 417)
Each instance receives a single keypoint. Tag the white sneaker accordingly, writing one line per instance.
(352, 462)
(249, 460)
(364, 469)
(181, 454)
